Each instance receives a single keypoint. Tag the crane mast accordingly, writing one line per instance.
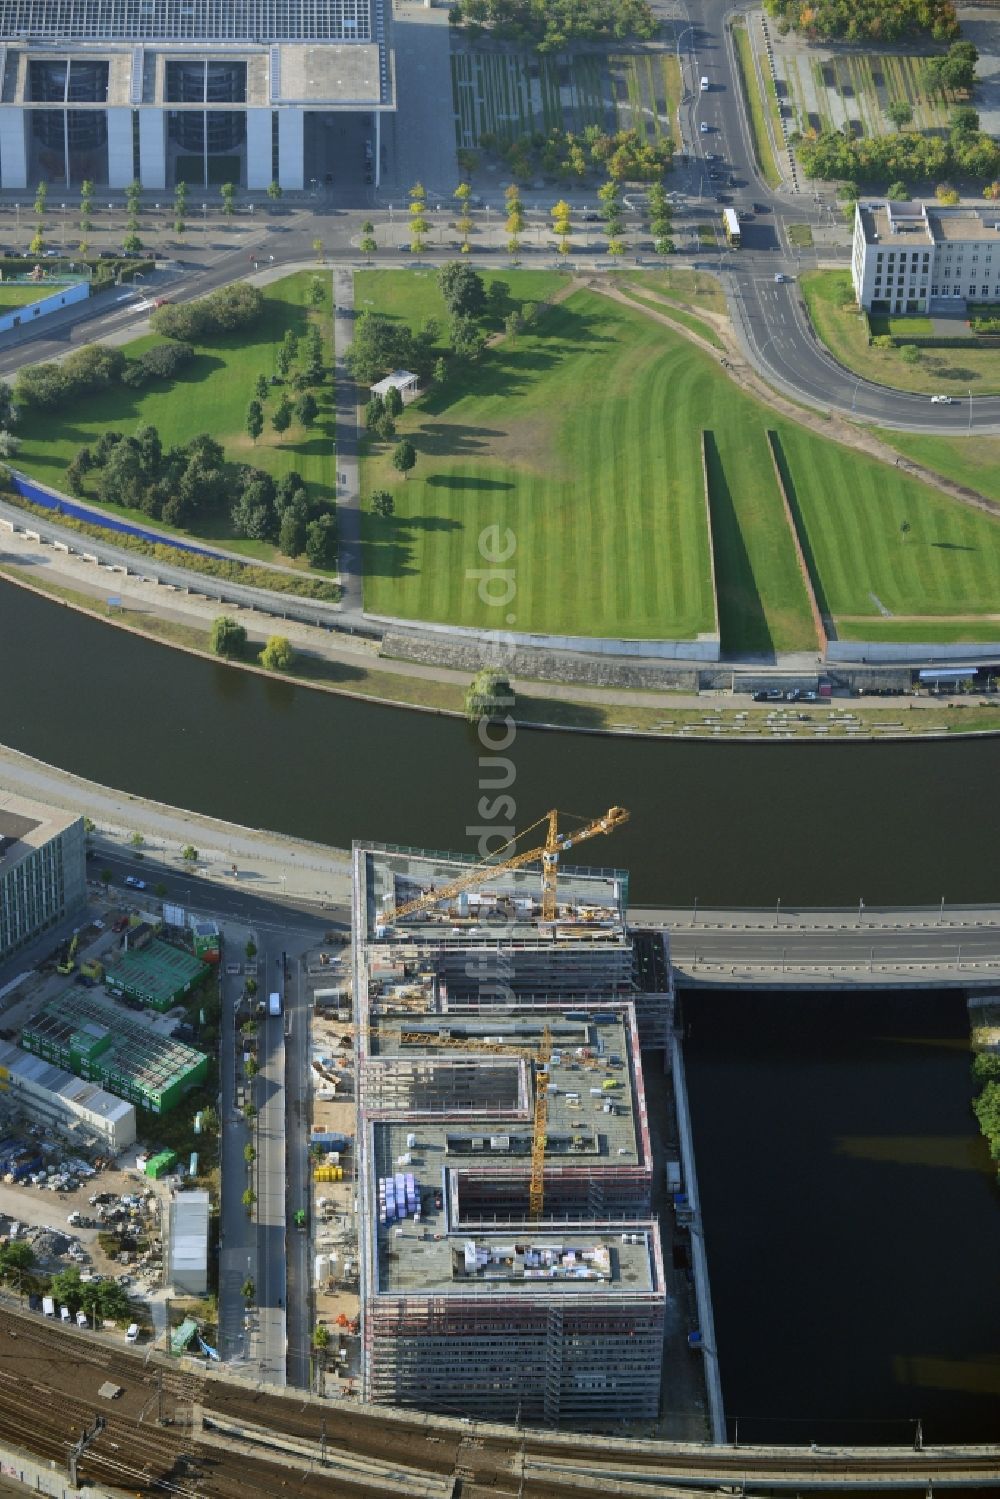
(547, 854)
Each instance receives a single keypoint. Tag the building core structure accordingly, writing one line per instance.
(912, 257)
(511, 1267)
(199, 91)
(42, 870)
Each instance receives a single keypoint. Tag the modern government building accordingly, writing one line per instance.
(204, 91)
(921, 257)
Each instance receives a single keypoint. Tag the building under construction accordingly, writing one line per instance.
(510, 1266)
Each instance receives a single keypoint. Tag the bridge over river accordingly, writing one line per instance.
(862, 947)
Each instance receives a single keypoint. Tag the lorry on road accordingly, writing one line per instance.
(274, 1004)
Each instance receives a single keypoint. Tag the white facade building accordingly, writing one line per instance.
(49, 1094)
(207, 91)
(188, 1253)
(914, 257)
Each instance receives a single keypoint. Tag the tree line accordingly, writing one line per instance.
(868, 20)
(552, 24)
(624, 155)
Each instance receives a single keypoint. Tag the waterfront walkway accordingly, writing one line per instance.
(858, 948)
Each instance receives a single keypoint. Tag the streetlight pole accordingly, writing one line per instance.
(970, 408)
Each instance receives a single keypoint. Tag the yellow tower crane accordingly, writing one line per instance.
(548, 853)
(540, 1057)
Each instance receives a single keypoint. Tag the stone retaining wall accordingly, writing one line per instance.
(539, 666)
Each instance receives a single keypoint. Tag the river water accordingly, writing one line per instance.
(851, 1214)
(852, 1228)
(723, 823)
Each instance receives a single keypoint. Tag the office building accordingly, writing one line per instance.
(42, 870)
(510, 1263)
(206, 91)
(922, 257)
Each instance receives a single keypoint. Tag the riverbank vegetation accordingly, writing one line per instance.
(272, 348)
(986, 1076)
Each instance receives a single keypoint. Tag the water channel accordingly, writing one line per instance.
(723, 823)
(853, 1233)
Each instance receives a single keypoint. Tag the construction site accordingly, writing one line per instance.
(510, 1263)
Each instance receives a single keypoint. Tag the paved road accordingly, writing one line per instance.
(270, 1338)
(770, 318)
(860, 948)
(298, 1187)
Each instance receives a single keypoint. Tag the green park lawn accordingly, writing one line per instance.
(583, 438)
(210, 395)
(870, 530)
(829, 297)
(19, 294)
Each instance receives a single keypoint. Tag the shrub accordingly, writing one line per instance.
(224, 311)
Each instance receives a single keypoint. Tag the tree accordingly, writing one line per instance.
(261, 388)
(379, 344)
(467, 338)
(37, 245)
(131, 244)
(249, 1154)
(321, 1336)
(254, 419)
(964, 120)
(66, 1289)
(404, 457)
(374, 411)
(393, 402)
(910, 354)
(189, 853)
(228, 194)
(281, 416)
(440, 369)
(105, 877)
(250, 949)
(41, 195)
(250, 1067)
(321, 541)
(945, 193)
(274, 191)
(462, 289)
(9, 444)
(248, 1290)
(228, 638)
(898, 192)
(89, 825)
(306, 409)
(992, 191)
(900, 113)
(249, 1196)
(277, 654)
(488, 695)
(317, 291)
(136, 840)
(318, 251)
(382, 503)
(292, 532)
(385, 427)
(904, 529)
(253, 514)
(513, 324)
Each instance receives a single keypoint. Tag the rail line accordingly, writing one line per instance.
(290, 1446)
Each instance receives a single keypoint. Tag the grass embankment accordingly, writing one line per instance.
(758, 109)
(830, 299)
(973, 461)
(875, 537)
(800, 236)
(210, 395)
(669, 309)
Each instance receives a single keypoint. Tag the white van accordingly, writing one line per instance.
(704, 85)
(132, 1335)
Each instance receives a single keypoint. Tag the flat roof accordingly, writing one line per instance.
(901, 226)
(591, 1064)
(55, 1080)
(520, 1261)
(27, 825)
(194, 20)
(140, 1055)
(508, 906)
(156, 972)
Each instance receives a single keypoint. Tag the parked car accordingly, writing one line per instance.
(703, 128)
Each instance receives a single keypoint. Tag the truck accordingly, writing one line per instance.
(674, 1177)
(274, 1004)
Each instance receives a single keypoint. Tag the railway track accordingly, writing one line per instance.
(291, 1447)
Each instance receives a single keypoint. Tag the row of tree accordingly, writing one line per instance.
(907, 156)
(229, 638)
(99, 1299)
(868, 20)
(552, 24)
(625, 155)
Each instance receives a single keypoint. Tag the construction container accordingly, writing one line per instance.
(159, 1165)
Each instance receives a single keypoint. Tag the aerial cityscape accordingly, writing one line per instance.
(500, 579)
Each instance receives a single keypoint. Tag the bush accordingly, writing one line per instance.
(86, 370)
(277, 654)
(224, 311)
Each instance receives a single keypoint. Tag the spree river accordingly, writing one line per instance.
(853, 1223)
(723, 823)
